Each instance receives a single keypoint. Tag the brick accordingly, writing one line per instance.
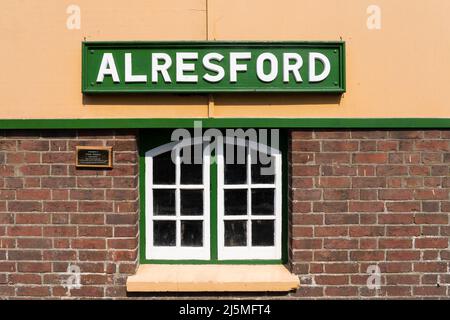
(387, 145)
(307, 219)
(403, 206)
(122, 243)
(403, 231)
(98, 182)
(345, 218)
(340, 243)
(330, 231)
(305, 170)
(331, 158)
(33, 194)
(24, 278)
(429, 291)
(88, 194)
(331, 134)
(307, 194)
(34, 243)
(85, 218)
(340, 194)
(95, 206)
(429, 218)
(306, 243)
(434, 194)
(330, 255)
(60, 206)
(58, 157)
(330, 207)
(40, 291)
(378, 158)
(60, 231)
(367, 255)
(395, 243)
(437, 243)
(395, 194)
(25, 255)
(33, 145)
(6, 171)
(58, 182)
(24, 231)
(368, 182)
(86, 243)
(300, 135)
(391, 170)
(333, 182)
(302, 183)
(430, 266)
(24, 206)
(332, 280)
(339, 267)
(391, 218)
(432, 145)
(366, 231)
(7, 194)
(120, 194)
(369, 134)
(366, 206)
(339, 146)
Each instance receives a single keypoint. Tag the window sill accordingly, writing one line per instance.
(211, 278)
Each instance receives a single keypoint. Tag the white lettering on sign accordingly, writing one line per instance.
(292, 68)
(273, 67)
(313, 77)
(182, 66)
(235, 67)
(185, 67)
(162, 68)
(213, 67)
(108, 68)
(129, 77)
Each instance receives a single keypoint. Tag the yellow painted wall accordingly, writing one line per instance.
(401, 70)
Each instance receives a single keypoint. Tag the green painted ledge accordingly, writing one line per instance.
(337, 123)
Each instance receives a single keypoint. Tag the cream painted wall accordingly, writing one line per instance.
(398, 71)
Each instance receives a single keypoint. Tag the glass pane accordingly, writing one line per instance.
(164, 202)
(163, 169)
(263, 173)
(191, 233)
(235, 202)
(191, 202)
(263, 232)
(192, 172)
(235, 233)
(235, 165)
(164, 233)
(263, 201)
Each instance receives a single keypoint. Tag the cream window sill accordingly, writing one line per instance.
(212, 278)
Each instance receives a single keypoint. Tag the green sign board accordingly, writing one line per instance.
(207, 67)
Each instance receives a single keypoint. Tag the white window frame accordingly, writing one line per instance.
(176, 252)
(249, 252)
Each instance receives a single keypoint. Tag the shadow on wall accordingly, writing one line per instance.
(222, 99)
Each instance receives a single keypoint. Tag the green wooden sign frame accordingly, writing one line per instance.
(135, 67)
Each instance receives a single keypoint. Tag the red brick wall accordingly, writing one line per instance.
(53, 215)
(363, 198)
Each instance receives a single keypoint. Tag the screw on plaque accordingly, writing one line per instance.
(92, 84)
(92, 51)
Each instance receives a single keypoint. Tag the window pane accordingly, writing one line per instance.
(191, 202)
(235, 233)
(191, 233)
(263, 201)
(192, 172)
(164, 202)
(164, 233)
(263, 233)
(235, 202)
(163, 169)
(263, 173)
(235, 165)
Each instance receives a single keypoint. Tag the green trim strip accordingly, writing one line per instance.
(316, 123)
